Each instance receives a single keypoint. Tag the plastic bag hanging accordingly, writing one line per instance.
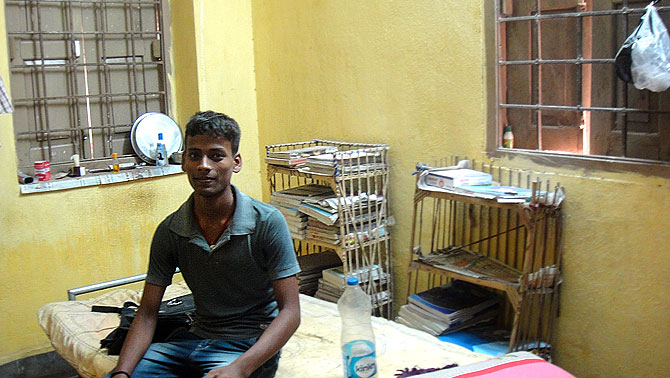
(650, 66)
(623, 60)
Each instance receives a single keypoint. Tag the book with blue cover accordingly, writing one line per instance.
(452, 297)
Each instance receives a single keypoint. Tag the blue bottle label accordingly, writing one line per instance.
(359, 359)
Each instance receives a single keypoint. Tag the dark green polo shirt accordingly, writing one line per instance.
(232, 280)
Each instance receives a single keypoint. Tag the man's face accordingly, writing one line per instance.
(209, 164)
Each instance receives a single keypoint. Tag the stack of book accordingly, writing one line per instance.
(297, 221)
(312, 266)
(333, 281)
(297, 156)
(322, 232)
(448, 308)
(342, 162)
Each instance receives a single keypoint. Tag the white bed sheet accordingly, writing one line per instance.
(313, 351)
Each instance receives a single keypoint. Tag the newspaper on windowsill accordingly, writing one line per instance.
(462, 261)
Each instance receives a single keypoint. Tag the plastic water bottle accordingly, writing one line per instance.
(161, 151)
(358, 341)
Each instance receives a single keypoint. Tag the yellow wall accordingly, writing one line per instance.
(407, 73)
(52, 242)
(226, 77)
(412, 74)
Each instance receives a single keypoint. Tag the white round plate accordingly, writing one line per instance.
(144, 135)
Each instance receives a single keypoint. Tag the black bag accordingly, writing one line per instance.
(623, 58)
(173, 314)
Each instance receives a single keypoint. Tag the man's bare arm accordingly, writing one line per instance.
(142, 330)
(275, 336)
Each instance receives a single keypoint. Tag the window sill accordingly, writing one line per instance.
(588, 162)
(100, 179)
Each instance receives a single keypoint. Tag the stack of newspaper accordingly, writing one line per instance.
(468, 263)
(448, 308)
(333, 282)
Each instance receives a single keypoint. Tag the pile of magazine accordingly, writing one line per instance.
(333, 281)
(448, 308)
(472, 183)
(343, 163)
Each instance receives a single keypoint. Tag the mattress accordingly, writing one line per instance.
(313, 351)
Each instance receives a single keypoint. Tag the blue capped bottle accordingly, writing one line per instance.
(161, 151)
(358, 340)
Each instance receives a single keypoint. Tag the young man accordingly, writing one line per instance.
(237, 257)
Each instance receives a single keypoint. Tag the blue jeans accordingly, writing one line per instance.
(195, 358)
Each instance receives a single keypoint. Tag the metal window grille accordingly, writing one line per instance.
(568, 47)
(81, 73)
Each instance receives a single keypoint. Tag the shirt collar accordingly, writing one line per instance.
(243, 222)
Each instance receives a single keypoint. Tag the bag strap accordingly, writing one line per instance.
(106, 309)
(113, 309)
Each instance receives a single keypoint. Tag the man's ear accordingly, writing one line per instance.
(237, 159)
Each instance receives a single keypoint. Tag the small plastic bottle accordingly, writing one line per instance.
(508, 137)
(161, 151)
(115, 162)
(358, 340)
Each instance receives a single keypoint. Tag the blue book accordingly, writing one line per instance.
(451, 297)
(463, 338)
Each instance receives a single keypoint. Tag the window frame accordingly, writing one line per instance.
(547, 158)
(167, 103)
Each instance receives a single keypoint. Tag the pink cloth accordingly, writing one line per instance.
(511, 365)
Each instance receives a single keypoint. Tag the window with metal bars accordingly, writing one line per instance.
(82, 71)
(557, 86)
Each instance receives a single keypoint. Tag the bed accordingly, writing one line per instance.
(313, 351)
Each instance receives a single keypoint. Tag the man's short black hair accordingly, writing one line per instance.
(214, 124)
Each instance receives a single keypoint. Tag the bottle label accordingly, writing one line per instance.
(359, 359)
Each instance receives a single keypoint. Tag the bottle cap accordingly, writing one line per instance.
(352, 281)
(160, 136)
(114, 155)
(508, 128)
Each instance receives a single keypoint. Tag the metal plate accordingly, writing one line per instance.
(144, 135)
